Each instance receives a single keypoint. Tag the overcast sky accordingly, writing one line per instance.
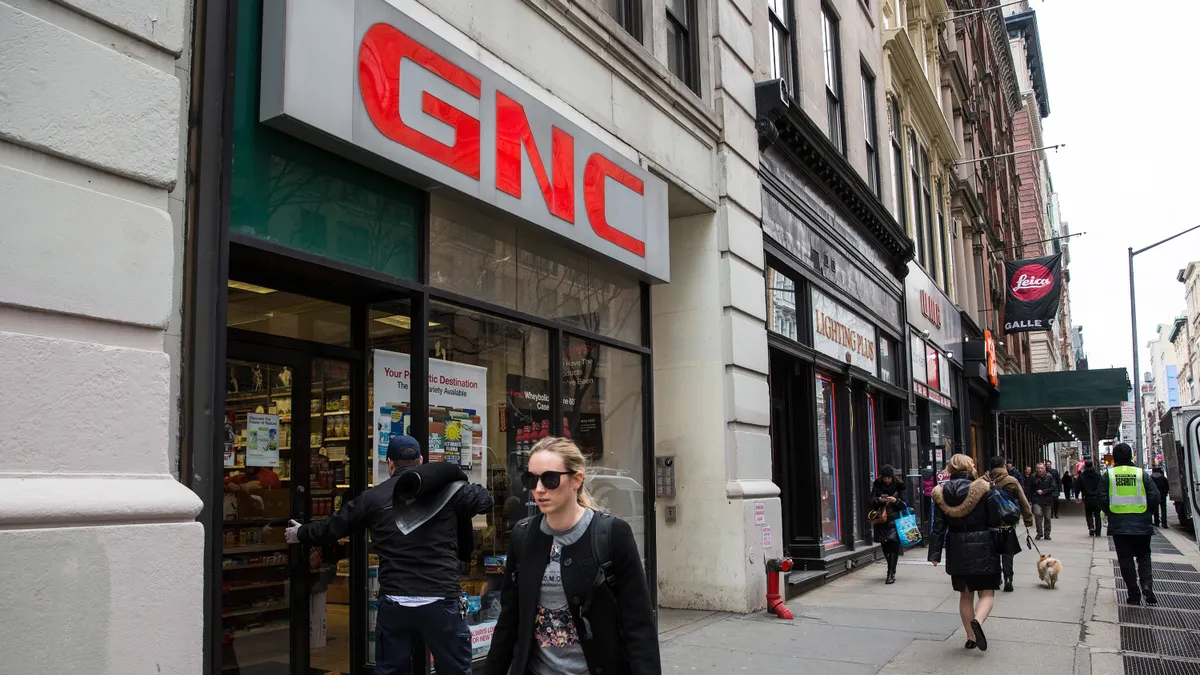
(1123, 97)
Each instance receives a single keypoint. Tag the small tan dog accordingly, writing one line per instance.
(1048, 569)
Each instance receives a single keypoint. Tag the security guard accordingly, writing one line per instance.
(1129, 496)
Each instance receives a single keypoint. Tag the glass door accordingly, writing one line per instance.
(261, 575)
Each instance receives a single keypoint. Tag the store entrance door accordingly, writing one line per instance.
(285, 610)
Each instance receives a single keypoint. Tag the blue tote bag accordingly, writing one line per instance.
(907, 529)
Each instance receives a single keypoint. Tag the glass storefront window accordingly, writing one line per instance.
(781, 304)
(602, 412)
(491, 259)
(872, 443)
(831, 532)
(297, 195)
(941, 431)
(887, 361)
(265, 310)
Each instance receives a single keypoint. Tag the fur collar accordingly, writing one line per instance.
(979, 488)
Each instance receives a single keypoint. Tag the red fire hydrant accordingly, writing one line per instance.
(774, 602)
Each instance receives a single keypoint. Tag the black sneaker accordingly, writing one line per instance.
(970, 644)
(1008, 587)
(1047, 537)
(1039, 537)
(1133, 600)
(1151, 600)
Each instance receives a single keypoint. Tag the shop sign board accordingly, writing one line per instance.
(457, 411)
(1034, 287)
(930, 310)
(933, 395)
(992, 368)
(842, 334)
(365, 80)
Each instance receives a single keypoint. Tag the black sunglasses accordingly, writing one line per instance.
(550, 479)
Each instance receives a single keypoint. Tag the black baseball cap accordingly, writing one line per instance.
(403, 449)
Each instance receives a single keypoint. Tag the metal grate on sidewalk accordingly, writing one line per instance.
(1146, 665)
(1170, 600)
(1164, 566)
(1179, 587)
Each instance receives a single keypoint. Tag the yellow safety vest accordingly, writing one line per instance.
(1126, 490)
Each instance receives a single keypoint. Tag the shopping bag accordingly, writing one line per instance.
(907, 530)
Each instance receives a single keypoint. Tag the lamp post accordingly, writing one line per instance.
(1137, 398)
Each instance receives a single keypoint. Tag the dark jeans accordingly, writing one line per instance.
(1041, 518)
(1054, 507)
(1133, 554)
(1094, 521)
(1162, 508)
(441, 625)
(1007, 561)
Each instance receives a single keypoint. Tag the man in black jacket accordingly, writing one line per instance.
(418, 570)
(1164, 490)
(1058, 487)
(1088, 492)
(1043, 490)
(1130, 526)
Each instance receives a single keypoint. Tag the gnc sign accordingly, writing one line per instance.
(368, 81)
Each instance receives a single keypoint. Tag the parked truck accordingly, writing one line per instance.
(1180, 429)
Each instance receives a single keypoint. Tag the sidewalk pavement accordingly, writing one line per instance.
(858, 624)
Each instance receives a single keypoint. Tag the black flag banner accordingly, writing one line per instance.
(1034, 287)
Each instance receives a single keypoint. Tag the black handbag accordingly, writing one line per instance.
(1007, 541)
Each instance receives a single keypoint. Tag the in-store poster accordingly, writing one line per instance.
(457, 411)
(262, 440)
(230, 440)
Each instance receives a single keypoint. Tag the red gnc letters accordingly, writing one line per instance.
(384, 47)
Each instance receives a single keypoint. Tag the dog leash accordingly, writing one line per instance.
(1029, 542)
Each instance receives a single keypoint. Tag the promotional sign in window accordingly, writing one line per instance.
(457, 412)
(841, 334)
(1034, 287)
(262, 440)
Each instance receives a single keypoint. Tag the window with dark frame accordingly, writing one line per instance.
(780, 12)
(628, 13)
(942, 235)
(914, 164)
(682, 42)
(833, 78)
(930, 246)
(871, 131)
(899, 198)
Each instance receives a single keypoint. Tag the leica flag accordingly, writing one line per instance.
(1034, 287)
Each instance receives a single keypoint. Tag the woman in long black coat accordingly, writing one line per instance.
(966, 527)
(887, 492)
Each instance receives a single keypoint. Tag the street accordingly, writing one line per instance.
(858, 625)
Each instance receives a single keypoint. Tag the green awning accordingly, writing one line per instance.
(1064, 405)
(1067, 389)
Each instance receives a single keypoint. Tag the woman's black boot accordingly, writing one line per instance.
(892, 559)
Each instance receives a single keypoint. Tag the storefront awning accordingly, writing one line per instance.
(1057, 404)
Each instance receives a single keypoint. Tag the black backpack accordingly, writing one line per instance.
(601, 534)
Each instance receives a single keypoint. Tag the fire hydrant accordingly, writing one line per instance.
(774, 602)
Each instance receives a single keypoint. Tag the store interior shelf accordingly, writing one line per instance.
(231, 568)
(254, 548)
(337, 438)
(342, 485)
(251, 587)
(334, 413)
(257, 610)
(259, 631)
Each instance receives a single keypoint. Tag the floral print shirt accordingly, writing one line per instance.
(556, 641)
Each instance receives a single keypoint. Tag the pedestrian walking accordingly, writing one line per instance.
(1012, 486)
(1129, 496)
(887, 500)
(1057, 488)
(1164, 491)
(1044, 493)
(1027, 483)
(574, 600)
(1012, 471)
(1089, 494)
(418, 571)
(964, 525)
(1068, 487)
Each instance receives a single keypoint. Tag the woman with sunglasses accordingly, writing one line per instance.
(563, 612)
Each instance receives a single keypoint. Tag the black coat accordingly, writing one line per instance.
(1161, 482)
(624, 636)
(1048, 484)
(1089, 488)
(887, 531)
(963, 524)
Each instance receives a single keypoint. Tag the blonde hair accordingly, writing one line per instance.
(960, 463)
(574, 461)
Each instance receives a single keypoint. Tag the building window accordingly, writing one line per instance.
(870, 130)
(682, 45)
(945, 244)
(899, 201)
(914, 165)
(831, 512)
(833, 77)
(931, 262)
(628, 13)
(781, 304)
(781, 40)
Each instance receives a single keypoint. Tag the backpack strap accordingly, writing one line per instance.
(602, 549)
(520, 538)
